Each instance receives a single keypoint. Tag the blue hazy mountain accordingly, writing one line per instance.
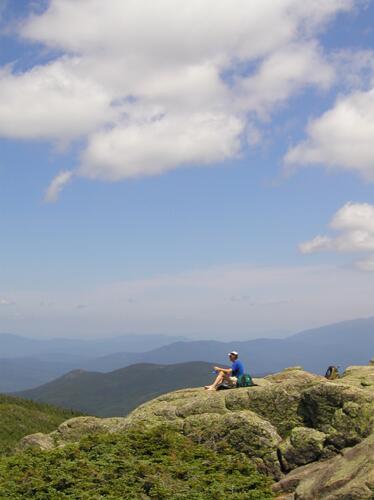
(344, 343)
(12, 346)
(346, 332)
(20, 373)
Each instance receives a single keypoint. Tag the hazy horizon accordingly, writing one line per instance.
(228, 337)
(104, 336)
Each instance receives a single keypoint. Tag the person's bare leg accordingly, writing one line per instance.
(216, 383)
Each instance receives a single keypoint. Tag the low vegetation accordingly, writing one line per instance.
(157, 463)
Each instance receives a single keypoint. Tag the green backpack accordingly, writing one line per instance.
(245, 380)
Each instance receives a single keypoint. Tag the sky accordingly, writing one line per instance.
(202, 168)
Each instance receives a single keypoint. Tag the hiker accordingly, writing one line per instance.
(229, 376)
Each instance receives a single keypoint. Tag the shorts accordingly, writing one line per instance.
(232, 381)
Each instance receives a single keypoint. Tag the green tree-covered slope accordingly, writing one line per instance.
(19, 418)
(118, 392)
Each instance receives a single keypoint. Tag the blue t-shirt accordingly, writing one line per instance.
(237, 368)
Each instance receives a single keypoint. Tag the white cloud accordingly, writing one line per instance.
(355, 68)
(57, 185)
(133, 74)
(342, 138)
(51, 102)
(316, 244)
(283, 74)
(171, 30)
(355, 225)
(354, 216)
(159, 145)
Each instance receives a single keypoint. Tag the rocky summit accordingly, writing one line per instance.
(312, 436)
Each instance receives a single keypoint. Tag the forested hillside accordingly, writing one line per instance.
(19, 418)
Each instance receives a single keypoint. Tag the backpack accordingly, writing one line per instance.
(332, 373)
(245, 380)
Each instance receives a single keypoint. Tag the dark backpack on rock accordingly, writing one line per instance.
(332, 373)
(245, 380)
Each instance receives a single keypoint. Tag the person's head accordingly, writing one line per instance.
(233, 355)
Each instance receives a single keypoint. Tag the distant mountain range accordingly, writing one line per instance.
(27, 362)
(118, 392)
(345, 343)
(21, 373)
(346, 332)
(62, 349)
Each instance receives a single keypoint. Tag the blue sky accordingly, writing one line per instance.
(132, 245)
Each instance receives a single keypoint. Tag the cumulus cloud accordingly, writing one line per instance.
(57, 185)
(283, 74)
(157, 85)
(354, 223)
(171, 30)
(342, 138)
(51, 102)
(159, 145)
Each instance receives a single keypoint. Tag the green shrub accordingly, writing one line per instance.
(143, 464)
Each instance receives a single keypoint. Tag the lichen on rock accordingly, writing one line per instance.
(73, 430)
(245, 431)
(302, 446)
(360, 376)
(344, 413)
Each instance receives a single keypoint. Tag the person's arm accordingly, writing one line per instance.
(224, 370)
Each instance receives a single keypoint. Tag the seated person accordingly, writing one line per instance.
(228, 376)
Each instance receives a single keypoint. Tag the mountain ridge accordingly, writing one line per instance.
(343, 344)
(120, 391)
(19, 346)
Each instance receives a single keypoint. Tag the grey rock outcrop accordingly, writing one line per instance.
(347, 476)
